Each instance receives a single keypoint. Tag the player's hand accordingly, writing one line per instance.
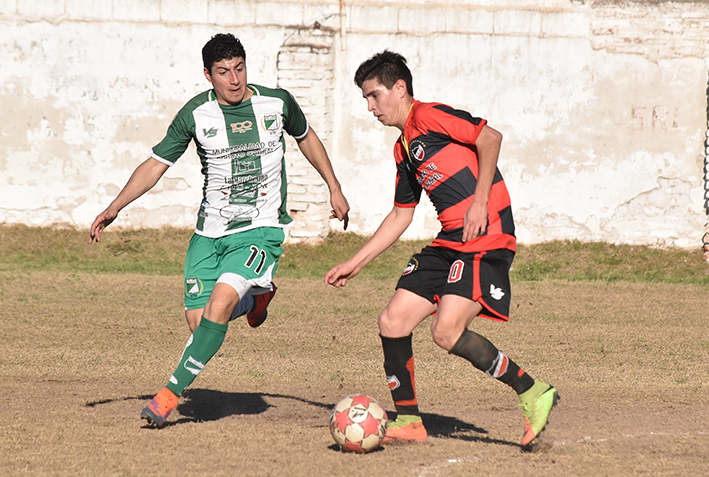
(103, 220)
(338, 275)
(345, 219)
(474, 222)
(340, 208)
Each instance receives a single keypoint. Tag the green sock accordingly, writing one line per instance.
(202, 345)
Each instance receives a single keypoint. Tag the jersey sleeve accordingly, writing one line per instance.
(459, 125)
(178, 137)
(294, 120)
(407, 192)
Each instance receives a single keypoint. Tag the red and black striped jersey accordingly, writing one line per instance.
(437, 154)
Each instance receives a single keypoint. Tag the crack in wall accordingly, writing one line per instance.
(705, 237)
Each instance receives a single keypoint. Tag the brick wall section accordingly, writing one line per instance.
(665, 30)
(306, 69)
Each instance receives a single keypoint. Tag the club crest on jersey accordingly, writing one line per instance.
(241, 127)
(411, 267)
(417, 149)
(270, 123)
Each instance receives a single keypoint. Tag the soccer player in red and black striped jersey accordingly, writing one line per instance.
(464, 273)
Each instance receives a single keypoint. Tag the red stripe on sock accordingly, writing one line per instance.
(503, 366)
(408, 402)
(410, 369)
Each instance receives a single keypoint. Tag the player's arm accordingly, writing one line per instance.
(314, 151)
(488, 145)
(144, 178)
(389, 231)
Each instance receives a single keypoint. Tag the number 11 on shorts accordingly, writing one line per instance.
(256, 252)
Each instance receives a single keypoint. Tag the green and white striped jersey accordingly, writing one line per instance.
(242, 153)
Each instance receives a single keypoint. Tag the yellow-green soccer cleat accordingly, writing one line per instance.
(406, 428)
(537, 403)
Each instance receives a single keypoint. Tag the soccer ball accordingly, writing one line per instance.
(358, 423)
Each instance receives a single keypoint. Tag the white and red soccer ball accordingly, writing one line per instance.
(358, 423)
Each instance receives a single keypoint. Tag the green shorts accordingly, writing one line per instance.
(246, 261)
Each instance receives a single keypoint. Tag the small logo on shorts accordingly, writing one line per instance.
(496, 293)
(193, 287)
(411, 267)
(393, 382)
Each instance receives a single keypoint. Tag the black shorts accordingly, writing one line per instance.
(480, 276)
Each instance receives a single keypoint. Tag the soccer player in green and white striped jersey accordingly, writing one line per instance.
(238, 129)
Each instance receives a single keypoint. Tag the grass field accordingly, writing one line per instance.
(91, 332)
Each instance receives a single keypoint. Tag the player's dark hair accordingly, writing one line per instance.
(222, 46)
(386, 67)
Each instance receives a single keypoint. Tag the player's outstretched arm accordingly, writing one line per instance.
(389, 231)
(314, 151)
(488, 145)
(145, 176)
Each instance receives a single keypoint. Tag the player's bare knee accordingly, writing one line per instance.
(390, 325)
(219, 308)
(443, 336)
(383, 322)
(193, 318)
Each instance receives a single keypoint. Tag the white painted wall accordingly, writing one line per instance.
(603, 108)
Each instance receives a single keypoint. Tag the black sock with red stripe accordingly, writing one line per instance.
(399, 368)
(486, 357)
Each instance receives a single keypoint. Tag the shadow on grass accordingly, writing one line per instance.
(453, 428)
(336, 448)
(144, 397)
(211, 405)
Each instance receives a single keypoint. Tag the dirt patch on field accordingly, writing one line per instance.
(83, 354)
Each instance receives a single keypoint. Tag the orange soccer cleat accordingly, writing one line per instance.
(159, 408)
